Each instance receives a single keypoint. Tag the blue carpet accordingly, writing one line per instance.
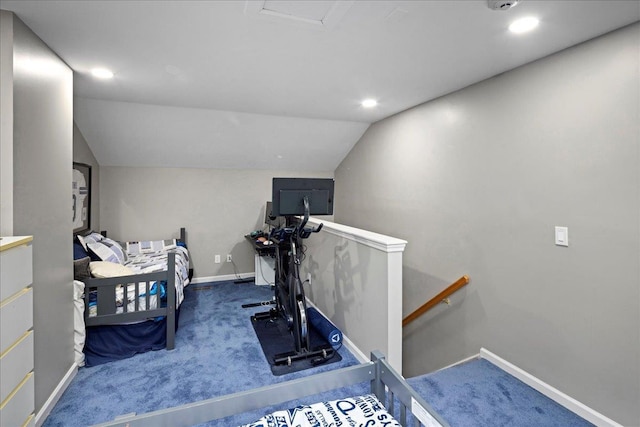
(479, 394)
(217, 353)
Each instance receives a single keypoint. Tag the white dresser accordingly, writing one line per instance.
(17, 402)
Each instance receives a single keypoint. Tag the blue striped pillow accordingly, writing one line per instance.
(108, 250)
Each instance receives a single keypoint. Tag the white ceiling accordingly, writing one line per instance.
(277, 84)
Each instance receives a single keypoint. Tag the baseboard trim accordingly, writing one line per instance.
(221, 278)
(460, 362)
(362, 358)
(551, 392)
(48, 406)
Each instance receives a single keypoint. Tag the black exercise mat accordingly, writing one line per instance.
(276, 339)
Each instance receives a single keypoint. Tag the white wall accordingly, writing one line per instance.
(476, 181)
(217, 206)
(42, 144)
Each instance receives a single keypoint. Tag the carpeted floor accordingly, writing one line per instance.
(217, 353)
(478, 393)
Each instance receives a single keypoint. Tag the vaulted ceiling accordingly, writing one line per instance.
(278, 84)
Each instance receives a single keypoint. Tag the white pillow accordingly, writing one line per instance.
(104, 269)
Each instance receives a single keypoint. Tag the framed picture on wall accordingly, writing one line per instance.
(81, 197)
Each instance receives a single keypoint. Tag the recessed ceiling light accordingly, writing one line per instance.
(369, 103)
(523, 25)
(101, 73)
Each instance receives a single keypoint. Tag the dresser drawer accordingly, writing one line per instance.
(16, 409)
(16, 317)
(16, 271)
(15, 363)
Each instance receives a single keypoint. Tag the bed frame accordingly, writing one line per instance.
(388, 386)
(106, 298)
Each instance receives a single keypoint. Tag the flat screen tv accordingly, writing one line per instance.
(288, 196)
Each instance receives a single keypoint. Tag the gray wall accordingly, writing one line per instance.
(217, 206)
(476, 181)
(83, 154)
(6, 123)
(43, 132)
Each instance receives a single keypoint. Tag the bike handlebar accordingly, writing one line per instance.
(302, 231)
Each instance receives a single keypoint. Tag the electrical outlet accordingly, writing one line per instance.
(228, 257)
(217, 259)
(309, 278)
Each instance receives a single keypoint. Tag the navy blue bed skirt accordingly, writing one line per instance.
(115, 342)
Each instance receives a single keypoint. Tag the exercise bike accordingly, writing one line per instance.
(290, 301)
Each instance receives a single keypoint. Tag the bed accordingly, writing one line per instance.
(131, 295)
(392, 402)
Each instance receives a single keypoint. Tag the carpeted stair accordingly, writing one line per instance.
(478, 393)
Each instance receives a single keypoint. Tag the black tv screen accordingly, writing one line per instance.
(288, 196)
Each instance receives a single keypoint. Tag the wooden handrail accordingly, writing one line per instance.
(463, 281)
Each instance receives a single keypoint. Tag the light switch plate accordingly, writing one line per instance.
(562, 236)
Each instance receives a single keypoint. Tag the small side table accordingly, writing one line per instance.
(265, 262)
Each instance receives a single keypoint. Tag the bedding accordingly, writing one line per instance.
(104, 269)
(353, 411)
(132, 296)
(138, 261)
(150, 261)
(108, 250)
(79, 332)
(81, 269)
